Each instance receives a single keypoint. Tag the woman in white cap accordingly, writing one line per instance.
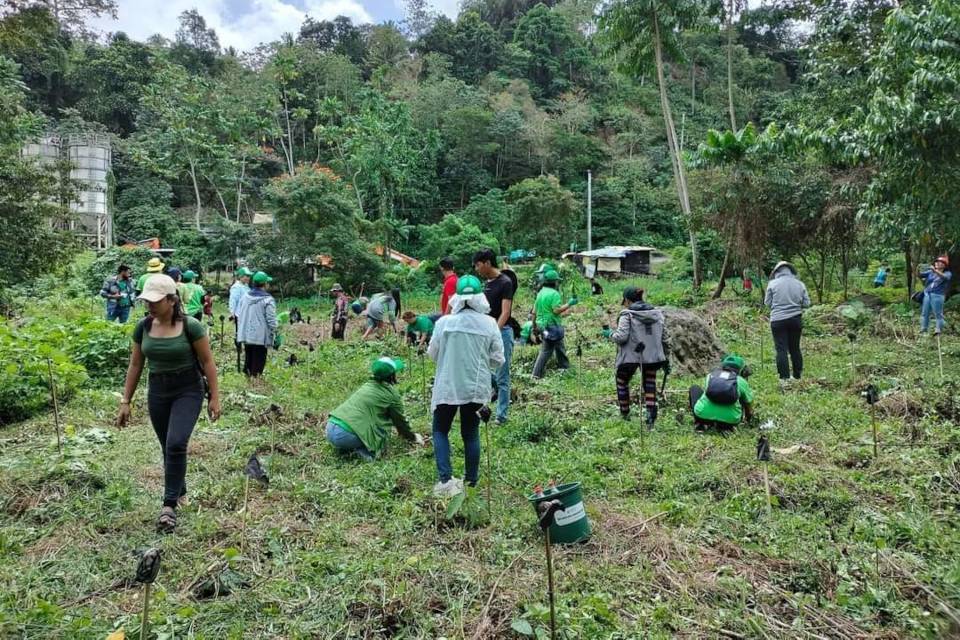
(176, 349)
(787, 297)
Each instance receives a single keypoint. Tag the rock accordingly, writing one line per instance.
(694, 349)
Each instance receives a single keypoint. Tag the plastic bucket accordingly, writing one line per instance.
(571, 524)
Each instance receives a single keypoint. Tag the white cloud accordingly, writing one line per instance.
(263, 21)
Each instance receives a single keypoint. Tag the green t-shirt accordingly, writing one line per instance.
(547, 300)
(191, 295)
(125, 286)
(370, 413)
(706, 409)
(167, 355)
(142, 280)
(423, 324)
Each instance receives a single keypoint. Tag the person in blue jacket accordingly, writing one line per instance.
(936, 281)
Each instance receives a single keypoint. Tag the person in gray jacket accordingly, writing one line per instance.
(256, 324)
(643, 343)
(787, 297)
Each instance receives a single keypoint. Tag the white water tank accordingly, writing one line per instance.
(90, 158)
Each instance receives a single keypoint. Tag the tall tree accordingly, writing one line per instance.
(643, 31)
(71, 15)
(196, 46)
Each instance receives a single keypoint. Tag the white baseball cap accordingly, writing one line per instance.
(157, 287)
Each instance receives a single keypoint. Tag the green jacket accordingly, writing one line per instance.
(370, 413)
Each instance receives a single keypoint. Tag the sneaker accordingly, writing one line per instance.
(501, 421)
(785, 383)
(448, 489)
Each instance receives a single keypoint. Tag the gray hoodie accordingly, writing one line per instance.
(786, 295)
(257, 318)
(641, 323)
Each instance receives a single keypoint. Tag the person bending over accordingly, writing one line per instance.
(728, 398)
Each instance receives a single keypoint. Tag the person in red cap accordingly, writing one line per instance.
(936, 282)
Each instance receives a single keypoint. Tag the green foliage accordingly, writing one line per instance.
(456, 237)
(88, 276)
(544, 216)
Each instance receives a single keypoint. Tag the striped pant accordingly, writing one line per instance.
(625, 373)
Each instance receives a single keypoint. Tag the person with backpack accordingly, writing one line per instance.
(467, 347)
(257, 324)
(936, 281)
(119, 294)
(339, 315)
(176, 349)
(361, 424)
(550, 309)
(728, 398)
(642, 343)
(191, 295)
(787, 297)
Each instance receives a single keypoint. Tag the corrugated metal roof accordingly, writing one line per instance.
(614, 252)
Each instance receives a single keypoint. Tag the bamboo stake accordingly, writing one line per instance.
(489, 476)
(766, 486)
(243, 520)
(873, 419)
(56, 406)
(144, 624)
(553, 614)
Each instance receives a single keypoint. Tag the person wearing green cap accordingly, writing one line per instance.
(257, 324)
(191, 295)
(361, 424)
(549, 309)
(238, 289)
(728, 398)
(467, 347)
(643, 344)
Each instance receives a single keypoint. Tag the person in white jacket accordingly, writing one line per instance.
(467, 347)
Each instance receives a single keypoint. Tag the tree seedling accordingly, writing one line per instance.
(763, 455)
(147, 570)
(548, 513)
(484, 414)
(222, 331)
(872, 396)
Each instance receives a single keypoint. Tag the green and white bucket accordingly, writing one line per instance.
(571, 524)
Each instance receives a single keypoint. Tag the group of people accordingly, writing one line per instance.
(121, 292)
(471, 342)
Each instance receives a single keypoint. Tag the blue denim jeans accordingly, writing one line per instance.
(932, 303)
(501, 379)
(443, 417)
(118, 313)
(345, 442)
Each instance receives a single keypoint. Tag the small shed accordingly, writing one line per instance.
(613, 260)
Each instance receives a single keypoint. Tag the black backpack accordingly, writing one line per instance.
(722, 387)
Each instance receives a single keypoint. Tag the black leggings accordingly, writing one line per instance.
(174, 401)
(786, 340)
(255, 359)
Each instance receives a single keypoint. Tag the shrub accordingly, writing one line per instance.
(87, 275)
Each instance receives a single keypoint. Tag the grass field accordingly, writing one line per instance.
(683, 545)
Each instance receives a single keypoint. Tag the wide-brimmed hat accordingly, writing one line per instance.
(784, 263)
(336, 287)
(158, 287)
(154, 265)
(383, 368)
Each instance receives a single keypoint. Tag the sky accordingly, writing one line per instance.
(244, 24)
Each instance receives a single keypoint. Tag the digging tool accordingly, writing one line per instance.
(56, 406)
(548, 513)
(147, 571)
(221, 330)
(763, 455)
(940, 355)
(872, 396)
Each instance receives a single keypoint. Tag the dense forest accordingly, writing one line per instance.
(823, 130)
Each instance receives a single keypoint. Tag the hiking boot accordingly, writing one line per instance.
(448, 489)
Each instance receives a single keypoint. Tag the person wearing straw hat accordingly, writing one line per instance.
(936, 281)
(340, 314)
(257, 324)
(787, 297)
(176, 349)
(191, 295)
(154, 266)
(361, 424)
(467, 347)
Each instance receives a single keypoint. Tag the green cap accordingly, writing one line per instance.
(188, 275)
(550, 275)
(733, 361)
(243, 271)
(383, 368)
(469, 285)
(261, 278)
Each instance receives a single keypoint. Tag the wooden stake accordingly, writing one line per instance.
(489, 476)
(56, 405)
(873, 419)
(940, 355)
(766, 486)
(144, 624)
(553, 614)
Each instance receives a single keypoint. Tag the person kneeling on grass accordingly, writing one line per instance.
(467, 346)
(728, 398)
(419, 327)
(361, 425)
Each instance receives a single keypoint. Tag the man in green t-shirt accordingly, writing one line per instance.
(362, 423)
(419, 327)
(727, 399)
(549, 309)
(191, 295)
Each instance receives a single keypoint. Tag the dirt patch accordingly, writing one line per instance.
(901, 405)
(694, 348)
